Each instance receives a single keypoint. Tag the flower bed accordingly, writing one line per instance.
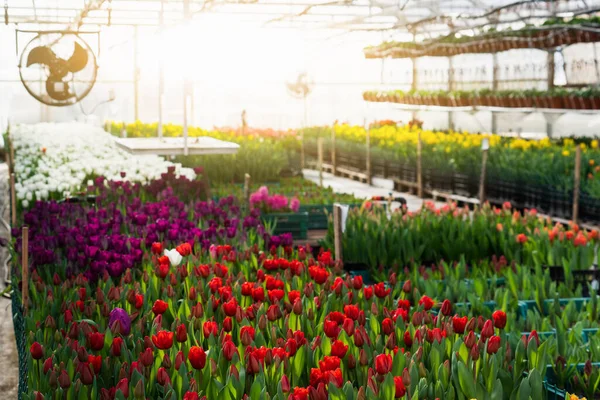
(219, 327)
(380, 241)
(57, 160)
(528, 173)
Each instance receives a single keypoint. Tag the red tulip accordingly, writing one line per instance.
(179, 358)
(426, 302)
(383, 363)
(381, 291)
(48, 364)
(247, 335)
(533, 336)
(400, 389)
(499, 318)
(157, 248)
(63, 379)
(258, 294)
(493, 344)
(163, 340)
(181, 333)
(96, 340)
(139, 301)
(368, 291)
(210, 328)
(273, 313)
(357, 282)
(318, 274)
(115, 347)
(162, 377)
(459, 323)
(190, 396)
(229, 350)
(96, 362)
(470, 339)
(387, 325)
(230, 307)
(299, 394)
(446, 307)
(87, 375)
(184, 249)
(331, 329)
(159, 307)
(285, 384)
(521, 238)
(407, 339)
(197, 357)
(123, 386)
(36, 351)
(348, 326)
(351, 311)
(488, 330)
(338, 349)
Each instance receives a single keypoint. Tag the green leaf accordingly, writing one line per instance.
(465, 378)
(389, 388)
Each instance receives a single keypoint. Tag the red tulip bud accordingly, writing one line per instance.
(63, 379)
(285, 384)
(474, 353)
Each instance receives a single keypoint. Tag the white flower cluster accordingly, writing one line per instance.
(55, 159)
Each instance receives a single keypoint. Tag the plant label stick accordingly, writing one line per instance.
(576, 183)
(247, 189)
(13, 201)
(337, 231)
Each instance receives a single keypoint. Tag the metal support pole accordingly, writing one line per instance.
(185, 117)
(320, 160)
(136, 75)
(414, 82)
(495, 85)
(419, 167)
(368, 144)
(550, 82)
(333, 155)
(484, 157)
(576, 182)
(161, 75)
(13, 201)
(451, 87)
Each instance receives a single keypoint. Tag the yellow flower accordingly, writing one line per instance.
(565, 153)
(594, 144)
(592, 162)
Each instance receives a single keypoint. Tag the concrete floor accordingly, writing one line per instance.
(380, 187)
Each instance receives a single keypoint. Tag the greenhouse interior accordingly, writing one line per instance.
(300, 199)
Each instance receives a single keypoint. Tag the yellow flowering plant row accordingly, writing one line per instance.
(541, 162)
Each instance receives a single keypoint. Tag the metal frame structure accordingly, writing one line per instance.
(424, 18)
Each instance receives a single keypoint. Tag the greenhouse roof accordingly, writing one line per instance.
(420, 17)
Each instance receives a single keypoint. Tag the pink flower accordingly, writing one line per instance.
(295, 204)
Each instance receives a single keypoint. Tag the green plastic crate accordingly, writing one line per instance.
(294, 223)
(318, 214)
